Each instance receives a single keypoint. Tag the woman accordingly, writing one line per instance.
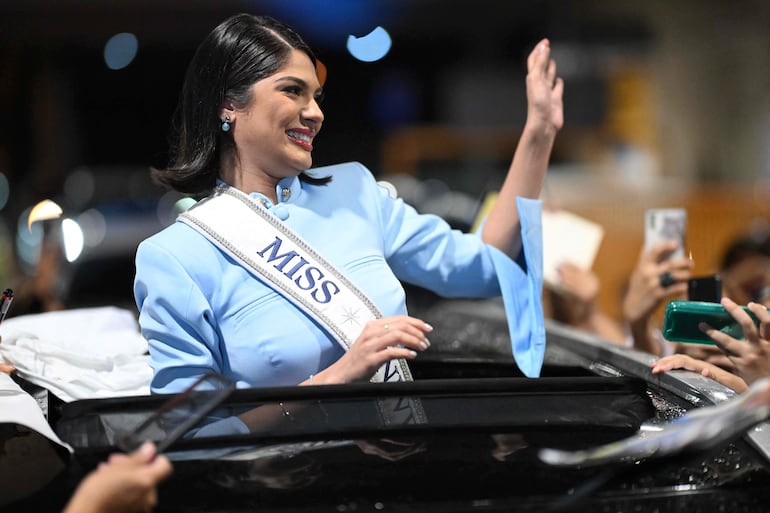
(246, 123)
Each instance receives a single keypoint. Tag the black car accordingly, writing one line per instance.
(474, 442)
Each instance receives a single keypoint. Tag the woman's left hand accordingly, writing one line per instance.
(381, 340)
(544, 89)
(751, 355)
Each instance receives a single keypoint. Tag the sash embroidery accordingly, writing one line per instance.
(296, 271)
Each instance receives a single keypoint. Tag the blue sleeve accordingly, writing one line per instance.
(175, 318)
(424, 250)
(521, 288)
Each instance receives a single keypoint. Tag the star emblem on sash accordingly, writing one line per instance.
(350, 315)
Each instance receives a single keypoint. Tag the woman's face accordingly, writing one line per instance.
(274, 133)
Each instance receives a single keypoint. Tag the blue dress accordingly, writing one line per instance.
(201, 311)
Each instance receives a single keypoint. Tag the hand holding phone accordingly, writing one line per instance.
(682, 319)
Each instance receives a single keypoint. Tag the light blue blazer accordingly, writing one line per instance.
(201, 311)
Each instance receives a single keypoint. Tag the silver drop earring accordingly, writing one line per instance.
(226, 124)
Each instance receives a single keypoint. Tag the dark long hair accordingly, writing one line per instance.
(240, 51)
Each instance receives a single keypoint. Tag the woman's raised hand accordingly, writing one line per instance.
(544, 89)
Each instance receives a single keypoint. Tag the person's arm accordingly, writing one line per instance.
(646, 292)
(124, 483)
(530, 161)
(176, 318)
(683, 361)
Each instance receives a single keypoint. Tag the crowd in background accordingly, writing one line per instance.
(744, 272)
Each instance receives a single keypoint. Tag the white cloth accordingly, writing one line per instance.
(18, 407)
(82, 353)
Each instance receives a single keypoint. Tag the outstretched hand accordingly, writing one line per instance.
(380, 341)
(706, 369)
(124, 483)
(544, 89)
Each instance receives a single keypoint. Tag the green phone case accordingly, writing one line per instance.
(680, 323)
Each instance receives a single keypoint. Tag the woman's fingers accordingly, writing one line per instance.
(381, 341)
(538, 57)
(400, 330)
(550, 74)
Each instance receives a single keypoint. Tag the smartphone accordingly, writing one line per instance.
(705, 288)
(662, 224)
(681, 319)
(179, 414)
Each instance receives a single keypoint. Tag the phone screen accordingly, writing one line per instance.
(663, 224)
(179, 414)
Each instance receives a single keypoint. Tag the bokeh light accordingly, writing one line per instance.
(372, 47)
(94, 227)
(72, 237)
(5, 190)
(29, 239)
(79, 187)
(120, 50)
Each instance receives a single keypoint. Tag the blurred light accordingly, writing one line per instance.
(371, 47)
(120, 50)
(79, 187)
(328, 22)
(94, 227)
(320, 71)
(43, 211)
(72, 237)
(5, 190)
(29, 239)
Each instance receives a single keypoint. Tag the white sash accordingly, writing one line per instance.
(244, 229)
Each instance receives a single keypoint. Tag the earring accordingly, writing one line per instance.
(226, 124)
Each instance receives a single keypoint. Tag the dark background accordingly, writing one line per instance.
(656, 91)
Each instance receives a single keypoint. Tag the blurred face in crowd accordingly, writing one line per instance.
(746, 279)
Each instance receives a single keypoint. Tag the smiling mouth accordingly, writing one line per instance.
(300, 139)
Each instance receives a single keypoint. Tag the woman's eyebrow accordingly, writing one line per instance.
(294, 79)
(299, 82)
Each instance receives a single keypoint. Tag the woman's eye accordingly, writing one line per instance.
(319, 98)
(293, 90)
